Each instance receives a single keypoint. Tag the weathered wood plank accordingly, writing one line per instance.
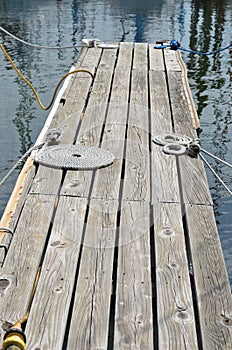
(49, 313)
(67, 119)
(75, 305)
(165, 187)
(137, 158)
(90, 318)
(108, 180)
(156, 61)
(23, 258)
(171, 61)
(78, 183)
(125, 55)
(140, 60)
(133, 314)
(193, 176)
(211, 280)
(72, 77)
(179, 104)
(176, 320)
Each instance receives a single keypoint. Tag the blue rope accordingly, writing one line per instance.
(174, 45)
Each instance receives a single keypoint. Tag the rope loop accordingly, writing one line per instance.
(177, 145)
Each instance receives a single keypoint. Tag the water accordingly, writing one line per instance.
(197, 24)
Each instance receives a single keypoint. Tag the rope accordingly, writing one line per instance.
(175, 45)
(215, 174)
(176, 144)
(52, 139)
(32, 87)
(216, 158)
(86, 42)
(39, 46)
(17, 164)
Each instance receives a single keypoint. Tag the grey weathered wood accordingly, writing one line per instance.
(125, 55)
(137, 170)
(47, 181)
(211, 280)
(165, 186)
(175, 310)
(78, 183)
(72, 77)
(140, 60)
(90, 318)
(193, 178)
(155, 59)
(133, 314)
(71, 222)
(23, 258)
(67, 118)
(194, 182)
(171, 61)
(180, 105)
(50, 309)
(108, 180)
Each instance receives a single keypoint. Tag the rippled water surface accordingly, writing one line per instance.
(201, 25)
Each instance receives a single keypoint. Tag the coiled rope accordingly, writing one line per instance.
(177, 145)
(45, 108)
(175, 45)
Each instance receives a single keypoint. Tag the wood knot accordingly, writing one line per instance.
(227, 321)
(4, 284)
(167, 232)
(182, 315)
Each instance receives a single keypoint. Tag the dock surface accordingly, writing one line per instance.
(127, 256)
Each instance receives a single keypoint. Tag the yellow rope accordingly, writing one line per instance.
(32, 87)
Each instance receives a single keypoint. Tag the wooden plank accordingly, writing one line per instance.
(133, 314)
(47, 181)
(125, 55)
(192, 107)
(171, 61)
(23, 258)
(176, 320)
(137, 158)
(46, 325)
(67, 119)
(156, 62)
(194, 182)
(165, 187)
(90, 318)
(91, 59)
(108, 180)
(180, 106)
(78, 183)
(211, 279)
(72, 80)
(160, 105)
(193, 176)
(140, 60)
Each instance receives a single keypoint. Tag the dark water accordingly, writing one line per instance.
(201, 25)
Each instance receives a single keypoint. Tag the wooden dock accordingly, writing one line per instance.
(127, 256)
